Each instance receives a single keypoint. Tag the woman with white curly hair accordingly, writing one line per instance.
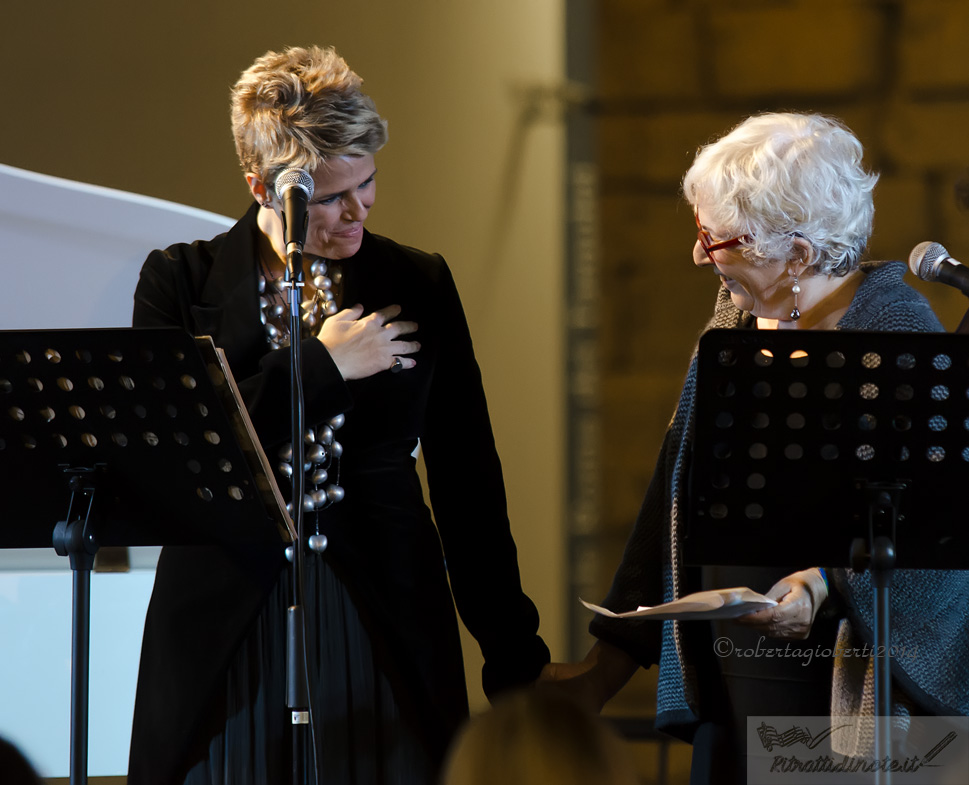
(791, 204)
(784, 211)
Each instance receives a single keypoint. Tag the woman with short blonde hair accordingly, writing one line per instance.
(387, 364)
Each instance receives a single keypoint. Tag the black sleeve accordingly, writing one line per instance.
(168, 294)
(167, 288)
(639, 578)
(468, 498)
(267, 392)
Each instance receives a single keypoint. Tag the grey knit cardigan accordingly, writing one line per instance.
(929, 609)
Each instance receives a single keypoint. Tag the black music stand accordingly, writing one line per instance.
(860, 438)
(139, 434)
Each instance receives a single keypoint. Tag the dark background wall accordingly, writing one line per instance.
(675, 74)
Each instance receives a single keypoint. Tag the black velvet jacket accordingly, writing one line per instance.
(382, 541)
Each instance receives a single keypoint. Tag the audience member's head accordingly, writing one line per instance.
(536, 736)
(14, 767)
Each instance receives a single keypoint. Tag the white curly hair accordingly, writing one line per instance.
(781, 176)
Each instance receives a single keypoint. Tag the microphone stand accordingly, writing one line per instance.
(297, 698)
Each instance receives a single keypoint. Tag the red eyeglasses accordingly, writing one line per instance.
(706, 240)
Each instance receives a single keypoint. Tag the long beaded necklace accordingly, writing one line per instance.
(320, 300)
(321, 465)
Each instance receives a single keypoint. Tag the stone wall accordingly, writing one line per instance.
(675, 74)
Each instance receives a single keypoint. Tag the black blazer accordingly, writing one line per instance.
(382, 541)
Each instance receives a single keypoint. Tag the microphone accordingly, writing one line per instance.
(931, 262)
(294, 188)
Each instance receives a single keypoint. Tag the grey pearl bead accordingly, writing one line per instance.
(262, 284)
(322, 282)
(330, 308)
(279, 309)
(335, 493)
(337, 449)
(319, 477)
(325, 434)
(337, 422)
(319, 498)
(308, 505)
(318, 268)
(316, 453)
(286, 452)
(317, 543)
(310, 436)
(263, 302)
(285, 469)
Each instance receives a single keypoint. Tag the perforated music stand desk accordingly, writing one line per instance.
(836, 449)
(790, 425)
(137, 435)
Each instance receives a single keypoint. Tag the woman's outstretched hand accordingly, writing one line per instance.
(364, 345)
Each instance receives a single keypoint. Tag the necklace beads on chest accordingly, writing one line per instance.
(318, 303)
(321, 452)
(321, 466)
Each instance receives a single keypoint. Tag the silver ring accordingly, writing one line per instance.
(396, 365)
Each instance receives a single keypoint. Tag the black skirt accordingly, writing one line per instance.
(359, 732)
(745, 674)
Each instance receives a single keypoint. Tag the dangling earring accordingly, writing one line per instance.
(796, 288)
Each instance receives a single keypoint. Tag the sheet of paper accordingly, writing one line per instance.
(716, 604)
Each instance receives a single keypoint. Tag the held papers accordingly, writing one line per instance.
(715, 604)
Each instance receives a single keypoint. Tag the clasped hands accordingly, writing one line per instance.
(364, 345)
(606, 668)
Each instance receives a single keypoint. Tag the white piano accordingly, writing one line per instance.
(70, 255)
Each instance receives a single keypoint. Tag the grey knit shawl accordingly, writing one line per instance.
(929, 609)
